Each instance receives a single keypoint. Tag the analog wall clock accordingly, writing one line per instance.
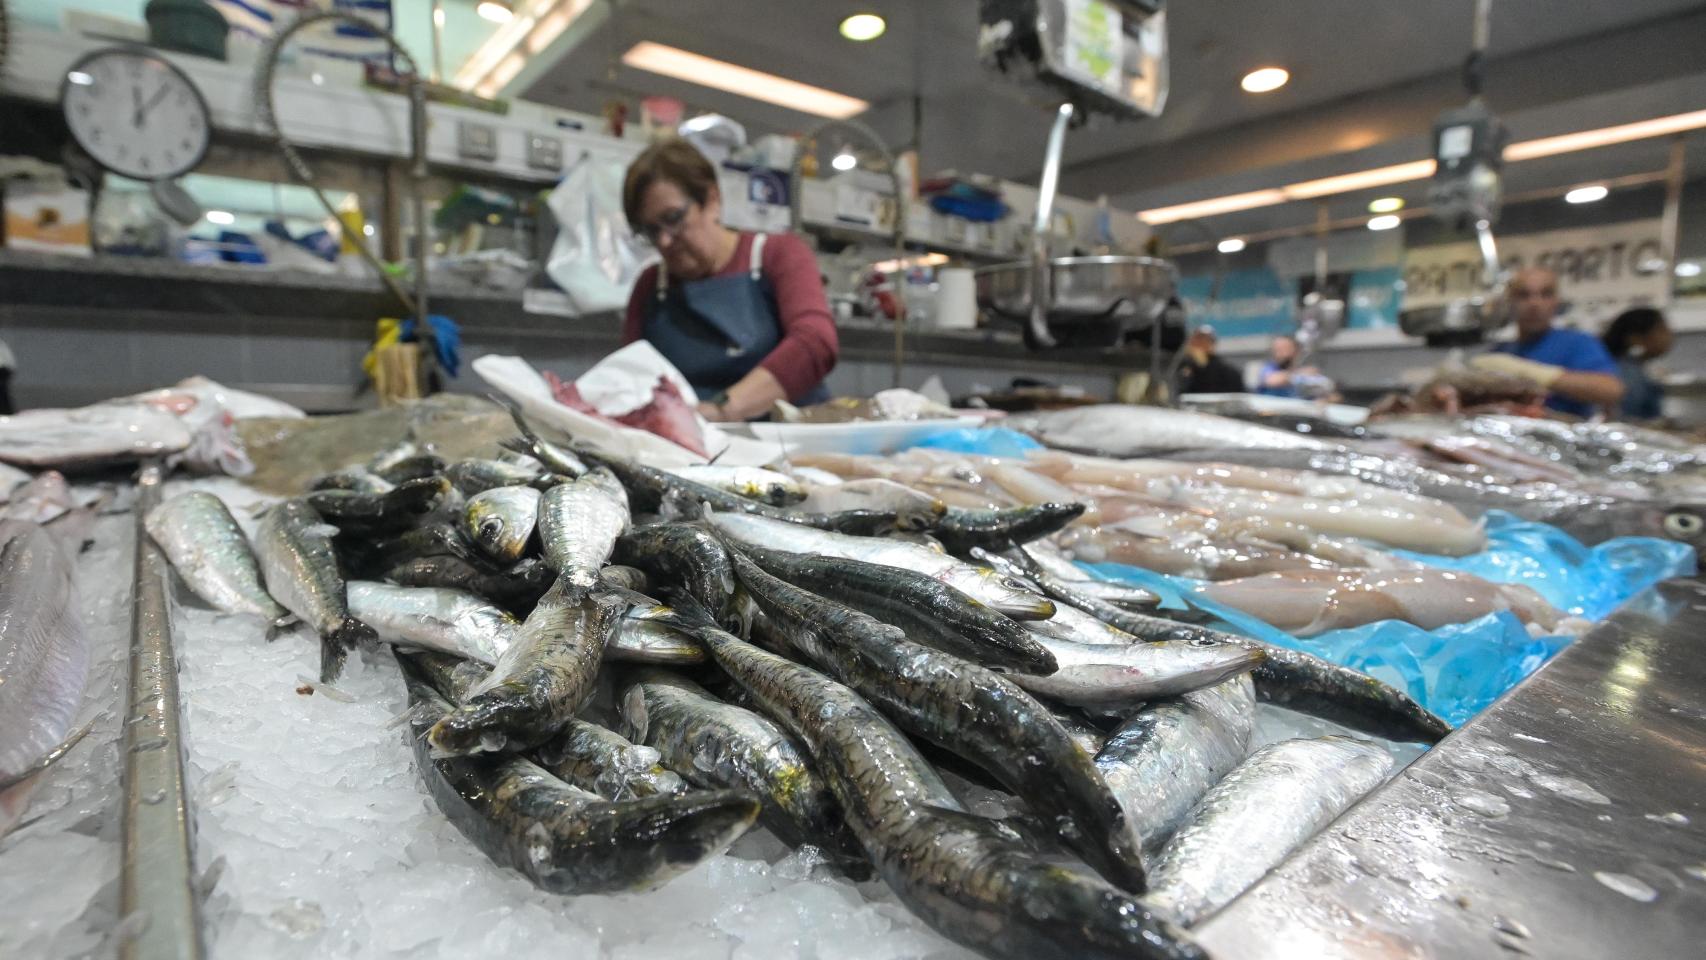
(136, 113)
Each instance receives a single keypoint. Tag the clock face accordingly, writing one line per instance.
(136, 114)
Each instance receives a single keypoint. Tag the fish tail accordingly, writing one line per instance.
(611, 594)
(335, 647)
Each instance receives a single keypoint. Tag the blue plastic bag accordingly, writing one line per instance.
(1587, 582)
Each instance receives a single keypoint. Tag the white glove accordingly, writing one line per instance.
(1544, 374)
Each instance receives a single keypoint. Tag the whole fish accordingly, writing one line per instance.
(963, 708)
(753, 483)
(960, 530)
(100, 435)
(867, 494)
(716, 744)
(1162, 760)
(607, 763)
(1120, 676)
(981, 584)
(1250, 821)
(548, 455)
(416, 467)
(517, 589)
(207, 548)
(1121, 430)
(1305, 603)
(583, 754)
(931, 612)
(44, 664)
(544, 678)
(684, 554)
(579, 522)
(388, 511)
(478, 476)
(972, 879)
(448, 621)
(1425, 527)
(1064, 593)
(438, 538)
(387, 459)
(353, 479)
(301, 572)
(648, 635)
(1051, 561)
(1306, 683)
(564, 839)
(500, 521)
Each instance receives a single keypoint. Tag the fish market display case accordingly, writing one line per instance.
(1562, 821)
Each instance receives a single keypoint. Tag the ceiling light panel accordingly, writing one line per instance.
(706, 72)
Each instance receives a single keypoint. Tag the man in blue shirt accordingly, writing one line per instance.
(1574, 367)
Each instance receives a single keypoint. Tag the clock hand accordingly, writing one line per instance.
(136, 101)
(154, 100)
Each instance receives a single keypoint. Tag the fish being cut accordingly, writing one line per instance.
(101, 435)
(1250, 821)
(44, 664)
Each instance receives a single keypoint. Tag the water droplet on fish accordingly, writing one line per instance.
(1555, 864)
(1631, 887)
(1605, 817)
(1673, 819)
(1524, 736)
(1483, 803)
(1510, 943)
(1697, 871)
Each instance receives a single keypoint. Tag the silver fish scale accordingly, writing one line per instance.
(1161, 762)
(44, 653)
(579, 522)
(211, 554)
(433, 618)
(1250, 821)
(301, 569)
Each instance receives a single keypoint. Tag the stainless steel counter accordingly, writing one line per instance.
(1567, 820)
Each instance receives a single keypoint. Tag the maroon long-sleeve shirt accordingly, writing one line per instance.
(809, 343)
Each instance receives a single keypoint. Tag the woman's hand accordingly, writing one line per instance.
(712, 412)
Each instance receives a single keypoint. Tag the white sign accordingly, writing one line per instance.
(1601, 270)
(1093, 43)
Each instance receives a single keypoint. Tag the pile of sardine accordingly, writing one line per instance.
(616, 670)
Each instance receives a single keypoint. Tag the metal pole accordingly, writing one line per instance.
(437, 42)
(157, 877)
(1670, 222)
(1042, 271)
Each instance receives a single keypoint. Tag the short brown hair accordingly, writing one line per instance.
(672, 161)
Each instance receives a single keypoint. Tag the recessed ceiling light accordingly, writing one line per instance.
(863, 26)
(222, 217)
(693, 68)
(1230, 245)
(1688, 268)
(1265, 80)
(1587, 194)
(845, 160)
(1386, 205)
(497, 11)
(1385, 222)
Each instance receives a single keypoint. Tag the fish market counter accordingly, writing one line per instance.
(300, 336)
(1567, 820)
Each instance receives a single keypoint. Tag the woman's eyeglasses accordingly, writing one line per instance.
(668, 224)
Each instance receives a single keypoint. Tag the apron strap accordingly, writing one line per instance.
(756, 264)
(663, 281)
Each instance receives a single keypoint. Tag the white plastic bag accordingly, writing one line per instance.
(595, 258)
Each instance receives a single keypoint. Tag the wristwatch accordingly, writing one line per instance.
(720, 400)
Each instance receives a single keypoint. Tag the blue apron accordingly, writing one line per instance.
(718, 329)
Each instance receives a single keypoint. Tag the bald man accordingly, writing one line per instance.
(1574, 367)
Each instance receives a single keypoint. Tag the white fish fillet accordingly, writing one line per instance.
(105, 433)
(1125, 430)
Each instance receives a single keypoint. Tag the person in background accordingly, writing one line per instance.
(1574, 368)
(742, 315)
(1202, 370)
(1635, 337)
(1277, 377)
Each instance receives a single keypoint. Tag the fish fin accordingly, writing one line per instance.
(280, 625)
(677, 505)
(49, 758)
(632, 711)
(335, 647)
(611, 594)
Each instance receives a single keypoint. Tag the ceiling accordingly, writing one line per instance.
(1363, 73)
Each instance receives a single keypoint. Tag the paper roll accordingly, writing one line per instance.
(956, 299)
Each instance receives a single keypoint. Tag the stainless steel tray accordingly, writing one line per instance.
(1085, 288)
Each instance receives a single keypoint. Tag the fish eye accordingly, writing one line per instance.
(1681, 524)
(491, 527)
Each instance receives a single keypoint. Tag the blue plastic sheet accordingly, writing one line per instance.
(1588, 582)
(985, 441)
(1456, 671)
